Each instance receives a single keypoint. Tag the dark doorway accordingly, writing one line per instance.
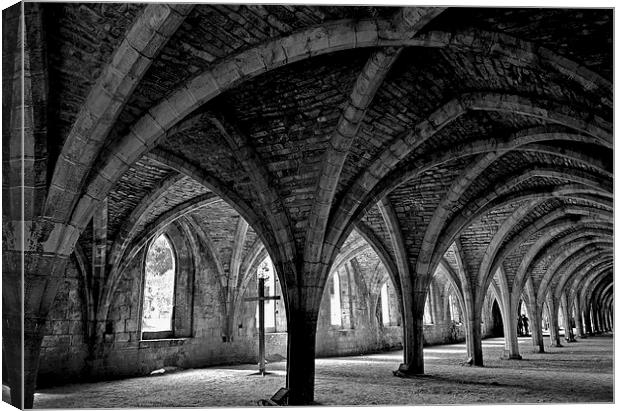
(497, 325)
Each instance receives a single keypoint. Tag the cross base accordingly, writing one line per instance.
(261, 373)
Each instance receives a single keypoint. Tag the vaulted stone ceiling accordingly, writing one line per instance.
(483, 132)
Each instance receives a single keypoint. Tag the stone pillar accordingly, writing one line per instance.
(588, 322)
(584, 331)
(595, 320)
(414, 356)
(12, 343)
(473, 340)
(511, 350)
(604, 319)
(12, 323)
(554, 329)
(408, 326)
(34, 330)
(578, 323)
(536, 328)
(568, 329)
(601, 316)
(42, 274)
(301, 351)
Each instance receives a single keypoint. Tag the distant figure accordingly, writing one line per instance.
(519, 326)
(526, 324)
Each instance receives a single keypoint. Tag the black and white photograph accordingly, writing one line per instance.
(258, 204)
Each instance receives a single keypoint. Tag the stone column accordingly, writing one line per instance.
(568, 330)
(604, 319)
(584, 331)
(536, 328)
(409, 330)
(578, 323)
(473, 330)
(42, 274)
(588, 322)
(414, 356)
(511, 350)
(473, 340)
(607, 319)
(601, 319)
(301, 351)
(553, 322)
(595, 320)
(12, 323)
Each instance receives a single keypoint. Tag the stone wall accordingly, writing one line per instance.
(64, 349)
(443, 333)
(123, 353)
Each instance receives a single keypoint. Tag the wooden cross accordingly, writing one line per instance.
(261, 323)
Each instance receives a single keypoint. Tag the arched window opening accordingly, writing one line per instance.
(428, 319)
(545, 317)
(265, 270)
(385, 305)
(455, 312)
(334, 301)
(497, 323)
(523, 309)
(159, 277)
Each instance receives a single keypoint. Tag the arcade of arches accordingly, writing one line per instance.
(401, 176)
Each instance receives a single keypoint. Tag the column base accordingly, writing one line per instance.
(508, 356)
(404, 371)
(470, 362)
(556, 345)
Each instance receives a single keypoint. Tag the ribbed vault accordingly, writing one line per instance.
(471, 144)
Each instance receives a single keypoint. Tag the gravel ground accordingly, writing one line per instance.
(577, 372)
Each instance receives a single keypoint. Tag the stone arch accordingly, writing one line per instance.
(384, 257)
(130, 62)
(565, 259)
(454, 282)
(277, 252)
(231, 71)
(359, 197)
(496, 295)
(568, 276)
(129, 250)
(543, 242)
(547, 222)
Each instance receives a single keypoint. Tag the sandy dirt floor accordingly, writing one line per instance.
(577, 372)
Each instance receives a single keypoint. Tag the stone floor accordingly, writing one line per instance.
(577, 372)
